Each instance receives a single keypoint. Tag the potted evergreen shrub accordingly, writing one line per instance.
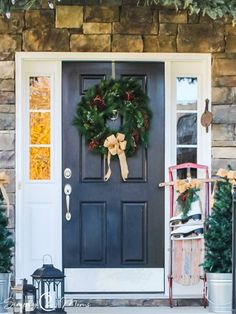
(218, 249)
(6, 245)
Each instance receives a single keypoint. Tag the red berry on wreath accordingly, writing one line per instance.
(99, 103)
(184, 197)
(92, 144)
(129, 96)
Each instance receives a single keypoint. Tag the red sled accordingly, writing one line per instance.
(187, 252)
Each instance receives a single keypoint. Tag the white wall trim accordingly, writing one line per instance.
(169, 58)
(111, 56)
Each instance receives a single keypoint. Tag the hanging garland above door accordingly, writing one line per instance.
(212, 8)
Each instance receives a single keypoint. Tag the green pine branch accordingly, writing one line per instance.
(185, 200)
(212, 8)
(6, 242)
(6, 6)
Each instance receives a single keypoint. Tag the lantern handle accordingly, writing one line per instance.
(48, 256)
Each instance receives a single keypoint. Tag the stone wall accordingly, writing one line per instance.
(125, 28)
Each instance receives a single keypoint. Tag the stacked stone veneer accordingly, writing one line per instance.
(120, 27)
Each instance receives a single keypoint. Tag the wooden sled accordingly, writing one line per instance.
(186, 254)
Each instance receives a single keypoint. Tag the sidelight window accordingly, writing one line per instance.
(40, 128)
(186, 119)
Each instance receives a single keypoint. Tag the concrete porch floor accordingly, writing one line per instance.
(138, 310)
(134, 310)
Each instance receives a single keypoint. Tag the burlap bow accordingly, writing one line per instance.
(182, 185)
(224, 174)
(4, 179)
(116, 146)
(229, 174)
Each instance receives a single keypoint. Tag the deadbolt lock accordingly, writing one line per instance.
(67, 173)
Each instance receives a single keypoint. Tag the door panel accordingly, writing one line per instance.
(138, 167)
(93, 232)
(134, 233)
(92, 166)
(89, 80)
(115, 223)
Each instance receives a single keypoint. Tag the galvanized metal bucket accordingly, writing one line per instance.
(219, 292)
(4, 290)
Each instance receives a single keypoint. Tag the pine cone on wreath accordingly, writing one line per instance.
(99, 103)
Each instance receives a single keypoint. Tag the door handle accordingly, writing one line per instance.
(67, 191)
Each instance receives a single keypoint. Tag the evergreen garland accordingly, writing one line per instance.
(6, 6)
(185, 200)
(124, 97)
(212, 8)
(6, 243)
(218, 235)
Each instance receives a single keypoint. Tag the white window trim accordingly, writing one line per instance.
(170, 59)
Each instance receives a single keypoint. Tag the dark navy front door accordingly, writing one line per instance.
(115, 223)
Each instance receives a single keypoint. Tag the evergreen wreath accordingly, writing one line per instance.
(123, 97)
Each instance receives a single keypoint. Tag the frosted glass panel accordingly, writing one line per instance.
(40, 163)
(40, 128)
(187, 88)
(40, 92)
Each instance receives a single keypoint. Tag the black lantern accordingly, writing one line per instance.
(49, 284)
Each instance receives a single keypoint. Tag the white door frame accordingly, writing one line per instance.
(56, 58)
